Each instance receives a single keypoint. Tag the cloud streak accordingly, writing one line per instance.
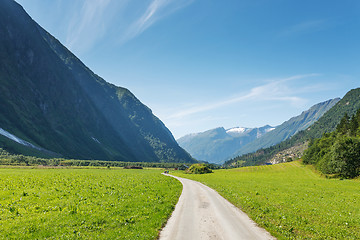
(304, 28)
(88, 26)
(276, 90)
(90, 21)
(156, 10)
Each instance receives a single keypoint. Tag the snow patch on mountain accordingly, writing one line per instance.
(95, 140)
(18, 140)
(269, 129)
(236, 130)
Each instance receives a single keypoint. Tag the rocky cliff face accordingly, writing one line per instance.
(50, 99)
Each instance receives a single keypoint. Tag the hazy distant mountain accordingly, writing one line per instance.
(289, 128)
(349, 104)
(51, 104)
(217, 145)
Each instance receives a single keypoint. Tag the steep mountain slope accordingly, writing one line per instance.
(349, 104)
(51, 100)
(216, 145)
(290, 127)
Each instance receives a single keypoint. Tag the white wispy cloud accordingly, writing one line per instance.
(304, 28)
(91, 20)
(156, 10)
(147, 19)
(273, 90)
(88, 25)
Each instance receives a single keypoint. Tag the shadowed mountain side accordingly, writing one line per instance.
(50, 99)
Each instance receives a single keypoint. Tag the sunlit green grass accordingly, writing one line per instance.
(290, 200)
(85, 203)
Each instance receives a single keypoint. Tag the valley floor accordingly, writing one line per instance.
(85, 203)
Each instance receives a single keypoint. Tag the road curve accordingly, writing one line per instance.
(201, 213)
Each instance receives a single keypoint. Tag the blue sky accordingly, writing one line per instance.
(201, 64)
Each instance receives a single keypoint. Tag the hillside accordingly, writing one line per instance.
(289, 128)
(349, 104)
(52, 101)
(217, 145)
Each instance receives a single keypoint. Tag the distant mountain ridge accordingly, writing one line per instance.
(242, 131)
(349, 104)
(219, 145)
(52, 101)
(290, 127)
(216, 145)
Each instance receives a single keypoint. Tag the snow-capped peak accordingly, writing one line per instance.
(236, 130)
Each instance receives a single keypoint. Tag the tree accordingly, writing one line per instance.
(337, 152)
(355, 124)
(345, 157)
(344, 125)
(318, 148)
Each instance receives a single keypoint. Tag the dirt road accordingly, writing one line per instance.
(202, 213)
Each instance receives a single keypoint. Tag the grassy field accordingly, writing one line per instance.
(85, 203)
(290, 200)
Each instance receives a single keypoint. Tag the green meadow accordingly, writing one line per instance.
(291, 200)
(85, 203)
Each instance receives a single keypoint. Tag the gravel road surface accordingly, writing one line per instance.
(202, 213)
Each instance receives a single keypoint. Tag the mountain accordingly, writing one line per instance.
(217, 145)
(289, 128)
(53, 105)
(349, 104)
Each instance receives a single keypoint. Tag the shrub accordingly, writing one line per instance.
(198, 169)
